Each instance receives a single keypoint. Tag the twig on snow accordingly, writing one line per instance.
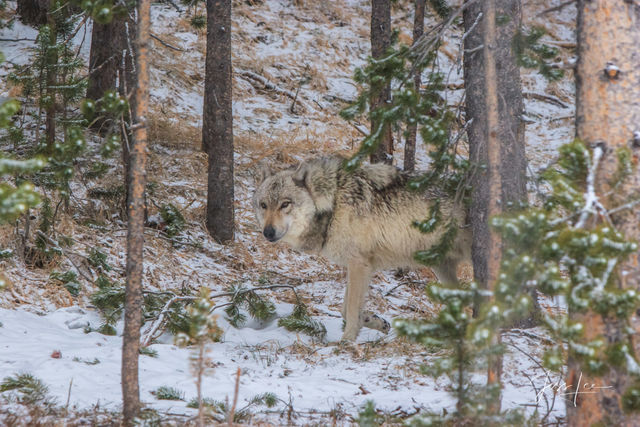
(164, 43)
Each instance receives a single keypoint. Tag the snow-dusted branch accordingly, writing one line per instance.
(591, 201)
(150, 334)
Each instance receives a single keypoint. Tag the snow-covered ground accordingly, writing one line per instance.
(313, 46)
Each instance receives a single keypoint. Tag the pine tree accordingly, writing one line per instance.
(202, 329)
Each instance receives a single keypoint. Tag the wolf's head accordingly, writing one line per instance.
(287, 203)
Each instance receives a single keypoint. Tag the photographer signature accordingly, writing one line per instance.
(563, 387)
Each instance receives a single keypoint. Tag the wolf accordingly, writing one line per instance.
(360, 220)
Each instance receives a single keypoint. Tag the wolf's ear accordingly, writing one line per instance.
(261, 172)
(319, 179)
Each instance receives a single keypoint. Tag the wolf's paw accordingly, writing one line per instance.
(373, 321)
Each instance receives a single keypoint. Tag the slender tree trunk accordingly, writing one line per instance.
(492, 190)
(52, 73)
(136, 213)
(608, 112)
(199, 384)
(126, 79)
(217, 122)
(412, 130)
(380, 41)
(496, 135)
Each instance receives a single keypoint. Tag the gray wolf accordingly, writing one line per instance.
(360, 220)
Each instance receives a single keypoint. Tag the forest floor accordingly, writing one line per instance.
(300, 46)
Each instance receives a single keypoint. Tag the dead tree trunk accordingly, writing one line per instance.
(136, 214)
(380, 41)
(608, 112)
(412, 130)
(217, 121)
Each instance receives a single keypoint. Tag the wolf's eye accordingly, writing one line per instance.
(263, 205)
(285, 205)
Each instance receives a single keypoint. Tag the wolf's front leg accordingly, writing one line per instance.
(358, 278)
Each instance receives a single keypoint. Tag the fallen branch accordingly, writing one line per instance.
(547, 98)
(528, 334)
(269, 85)
(359, 129)
(164, 43)
(175, 6)
(57, 246)
(556, 8)
(17, 40)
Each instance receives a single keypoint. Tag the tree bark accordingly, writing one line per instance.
(412, 130)
(217, 121)
(380, 41)
(608, 111)
(136, 214)
(496, 135)
(33, 12)
(52, 74)
(108, 42)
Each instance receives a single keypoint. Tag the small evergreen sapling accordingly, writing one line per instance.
(202, 329)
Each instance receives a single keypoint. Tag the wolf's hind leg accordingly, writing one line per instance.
(373, 321)
(358, 278)
(447, 271)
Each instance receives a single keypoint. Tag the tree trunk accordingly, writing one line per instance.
(496, 135)
(380, 41)
(608, 111)
(217, 121)
(108, 42)
(52, 74)
(33, 12)
(136, 213)
(126, 79)
(412, 130)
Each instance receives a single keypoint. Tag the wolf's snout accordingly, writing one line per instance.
(270, 233)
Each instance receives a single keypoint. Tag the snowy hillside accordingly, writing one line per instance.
(297, 46)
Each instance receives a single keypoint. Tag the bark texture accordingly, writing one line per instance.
(108, 42)
(136, 214)
(217, 121)
(509, 130)
(52, 74)
(380, 41)
(412, 130)
(490, 200)
(33, 12)
(496, 135)
(608, 110)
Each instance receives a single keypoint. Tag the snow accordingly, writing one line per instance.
(314, 382)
